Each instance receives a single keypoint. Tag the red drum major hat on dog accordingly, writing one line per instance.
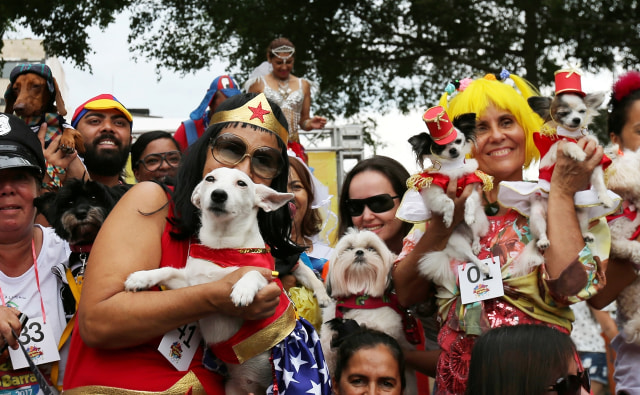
(440, 127)
(569, 81)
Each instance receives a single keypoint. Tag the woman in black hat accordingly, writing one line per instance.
(28, 253)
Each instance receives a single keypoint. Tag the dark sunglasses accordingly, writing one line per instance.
(377, 204)
(229, 150)
(571, 384)
(152, 162)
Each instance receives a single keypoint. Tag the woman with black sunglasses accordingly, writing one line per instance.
(371, 194)
(526, 360)
(115, 345)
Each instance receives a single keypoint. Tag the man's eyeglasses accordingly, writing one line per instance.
(229, 150)
(152, 162)
(377, 204)
(571, 384)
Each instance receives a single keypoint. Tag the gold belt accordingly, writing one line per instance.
(188, 384)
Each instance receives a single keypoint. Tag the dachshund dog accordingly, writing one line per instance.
(34, 96)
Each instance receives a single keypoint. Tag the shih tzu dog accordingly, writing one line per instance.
(623, 178)
(359, 281)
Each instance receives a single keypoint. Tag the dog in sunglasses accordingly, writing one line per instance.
(446, 147)
(229, 235)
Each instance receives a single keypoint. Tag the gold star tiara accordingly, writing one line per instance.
(256, 111)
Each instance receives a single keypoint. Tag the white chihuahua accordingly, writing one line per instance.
(566, 117)
(448, 162)
(229, 202)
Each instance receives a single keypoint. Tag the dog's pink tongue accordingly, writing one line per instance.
(292, 209)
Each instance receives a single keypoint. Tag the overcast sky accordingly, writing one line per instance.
(175, 96)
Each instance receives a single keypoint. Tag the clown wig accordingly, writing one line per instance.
(483, 92)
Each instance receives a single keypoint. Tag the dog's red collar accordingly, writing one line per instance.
(629, 213)
(363, 301)
(239, 257)
(80, 248)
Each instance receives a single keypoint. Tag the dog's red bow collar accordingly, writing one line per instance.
(363, 301)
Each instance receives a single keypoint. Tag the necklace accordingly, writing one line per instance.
(283, 88)
(490, 209)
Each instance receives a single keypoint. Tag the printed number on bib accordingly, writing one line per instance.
(180, 345)
(476, 286)
(37, 339)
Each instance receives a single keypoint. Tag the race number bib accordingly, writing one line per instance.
(37, 339)
(476, 286)
(180, 345)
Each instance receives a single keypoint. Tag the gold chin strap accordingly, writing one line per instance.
(256, 112)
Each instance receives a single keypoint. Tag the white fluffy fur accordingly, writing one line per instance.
(571, 113)
(464, 243)
(228, 223)
(361, 263)
(623, 178)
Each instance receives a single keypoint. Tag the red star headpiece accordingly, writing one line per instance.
(440, 127)
(569, 81)
(256, 112)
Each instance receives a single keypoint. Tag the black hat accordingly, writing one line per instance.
(19, 145)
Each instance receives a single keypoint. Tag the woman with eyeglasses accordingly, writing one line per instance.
(371, 194)
(115, 347)
(155, 156)
(526, 360)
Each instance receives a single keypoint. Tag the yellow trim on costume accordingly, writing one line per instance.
(256, 112)
(418, 182)
(188, 384)
(268, 337)
(487, 180)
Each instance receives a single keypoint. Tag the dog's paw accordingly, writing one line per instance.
(484, 268)
(635, 258)
(245, 289)
(323, 300)
(573, 151)
(606, 200)
(632, 331)
(588, 237)
(543, 243)
(476, 247)
(138, 281)
(447, 218)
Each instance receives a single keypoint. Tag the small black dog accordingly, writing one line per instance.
(76, 212)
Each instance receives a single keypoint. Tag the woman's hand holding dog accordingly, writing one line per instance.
(69, 162)
(264, 304)
(437, 224)
(413, 287)
(571, 176)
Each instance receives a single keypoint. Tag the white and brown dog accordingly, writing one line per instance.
(567, 116)
(229, 202)
(359, 281)
(623, 178)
